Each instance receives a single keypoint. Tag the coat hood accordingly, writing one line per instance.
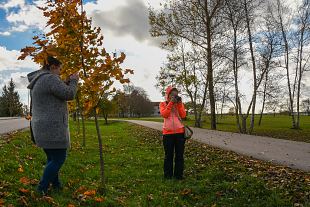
(168, 91)
(34, 76)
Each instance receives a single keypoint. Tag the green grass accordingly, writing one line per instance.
(277, 127)
(133, 165)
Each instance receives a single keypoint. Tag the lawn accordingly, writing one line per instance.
(133, 166)
(277, 127)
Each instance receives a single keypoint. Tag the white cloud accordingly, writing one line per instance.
(28, 16)
(123, 18)
(6, 33)
(20, 79)
(125, 28)
(8, 60)
(12, 4)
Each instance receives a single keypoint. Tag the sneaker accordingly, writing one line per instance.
(40, 192)
(57, 188)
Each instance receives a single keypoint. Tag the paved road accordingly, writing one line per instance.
(12, 124)
(290, 153)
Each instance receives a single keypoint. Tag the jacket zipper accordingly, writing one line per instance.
(175, 131)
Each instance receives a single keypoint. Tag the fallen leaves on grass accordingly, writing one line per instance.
(25, 180)
(28, 181)
(185, 192)
(293, 184)
(99, 199)
(24, 191)
(150, 197)
(23, 201)
(1, 202)
(48, 199)
(90, 192)
(83, 194)
(20, 169)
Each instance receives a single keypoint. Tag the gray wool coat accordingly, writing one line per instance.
(49, 96)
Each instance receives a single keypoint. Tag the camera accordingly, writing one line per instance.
(178, 98)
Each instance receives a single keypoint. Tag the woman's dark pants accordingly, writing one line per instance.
(55, 159)
(174, 146)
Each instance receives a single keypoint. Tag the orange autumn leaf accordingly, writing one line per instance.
(1, 202)
(23, 190)
(99, 200)
(28, 117)
(90, 192)
(97, 110)
(20, 169)
(186, 192)
(25, 180)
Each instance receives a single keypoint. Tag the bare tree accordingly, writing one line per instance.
(198, 22)
(302, 59)
(268, 48)
(281, 16)
(185, 69)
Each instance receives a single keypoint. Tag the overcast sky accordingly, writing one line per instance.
(124, 25)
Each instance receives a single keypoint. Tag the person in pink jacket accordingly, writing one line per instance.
(173, 110)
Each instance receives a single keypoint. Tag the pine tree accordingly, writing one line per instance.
(10, 104)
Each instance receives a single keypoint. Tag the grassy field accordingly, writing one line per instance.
(277, 127)
(133, 164)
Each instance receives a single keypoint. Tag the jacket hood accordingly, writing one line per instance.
(34, 76)
(168, 91)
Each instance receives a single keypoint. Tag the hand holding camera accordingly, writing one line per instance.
(176, 99)
(74, 76)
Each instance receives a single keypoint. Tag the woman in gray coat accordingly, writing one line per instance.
(49, 123)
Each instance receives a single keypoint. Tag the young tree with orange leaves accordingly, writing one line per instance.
(79, 47)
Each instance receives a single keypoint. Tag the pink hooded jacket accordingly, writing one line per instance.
(172, 112)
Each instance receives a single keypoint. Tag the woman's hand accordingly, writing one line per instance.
(173, 99)
(75, 76)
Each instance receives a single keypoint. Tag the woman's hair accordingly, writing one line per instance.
(51, 61)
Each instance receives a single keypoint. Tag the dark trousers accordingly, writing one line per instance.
(174, 147)
(55, 159)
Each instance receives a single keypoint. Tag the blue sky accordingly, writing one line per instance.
(17, 40)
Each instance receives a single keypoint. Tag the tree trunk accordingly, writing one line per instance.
(223, 101)
(235, 69)
(78, 122)
(253, 65)
(264, 100)
(291, 105)
(83, 122)
(106, 118)
(210, 76)
(244, 127)
(102, 178)
(83, 129)
(197, 122)
(299, 79)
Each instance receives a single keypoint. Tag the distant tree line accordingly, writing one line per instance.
(130, 102)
